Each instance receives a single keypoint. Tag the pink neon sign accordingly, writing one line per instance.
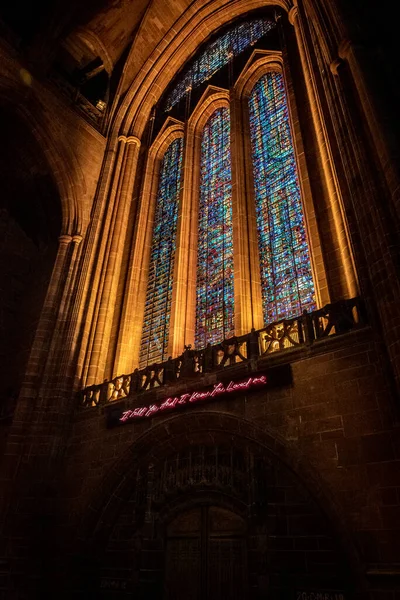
(172, 403)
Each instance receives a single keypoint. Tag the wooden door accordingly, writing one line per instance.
(206, 556)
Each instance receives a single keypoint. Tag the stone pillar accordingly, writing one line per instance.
(314, 234)
(60, 363)
(44, 332)
(39, 420)
(129, 337)
(72, 272)
(386, 144)
(377, 229)
(88, 288)
(122, 189)
(343, 279)
(50, 363)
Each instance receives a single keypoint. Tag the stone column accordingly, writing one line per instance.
(129, 336)
(60, 363)
(343, 279)
(314, 234)
(38, 418)
(87, 293)
(386, 144)
(44, 332)
(72, 272)
(377, 228)
(122, 187)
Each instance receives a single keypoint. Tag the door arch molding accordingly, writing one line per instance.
(177, 432)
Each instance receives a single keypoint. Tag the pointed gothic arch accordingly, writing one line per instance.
(259, 65)
(131, 333)
(184, 307)
(63, 164)
(181, 431)
(176, 48)
(248, 286)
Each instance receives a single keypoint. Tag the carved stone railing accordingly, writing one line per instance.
(333, 319)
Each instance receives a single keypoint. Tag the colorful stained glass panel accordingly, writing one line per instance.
(217, 54)
(215, 303)
(154, 346)
(286, 278)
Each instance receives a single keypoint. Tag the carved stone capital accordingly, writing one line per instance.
(293, 13)
(77, 238)
(334, 66)
(131, 139)
(65, 239)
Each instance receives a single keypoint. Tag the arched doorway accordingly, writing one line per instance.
(220, 517)
(206, 555)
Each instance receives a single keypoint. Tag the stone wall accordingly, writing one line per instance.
(333, 425)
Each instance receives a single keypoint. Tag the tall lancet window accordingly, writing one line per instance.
(286, 278)
(214, 301)
(154, 346)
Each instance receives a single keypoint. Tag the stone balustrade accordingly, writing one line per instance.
(331, 320)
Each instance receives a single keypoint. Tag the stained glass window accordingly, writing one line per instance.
(217, 54)
(286, 279)
(214, 306)
(154, 346)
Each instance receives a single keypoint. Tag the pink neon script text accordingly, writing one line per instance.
(171, 403)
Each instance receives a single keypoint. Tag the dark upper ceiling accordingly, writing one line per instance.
(51, 22)
(29, 193)
(97, 40)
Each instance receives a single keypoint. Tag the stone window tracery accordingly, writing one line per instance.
(214, 294)
(217, 54)
(285, 268)
(242, 257)
(155, 334)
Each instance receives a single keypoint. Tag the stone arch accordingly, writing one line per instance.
(183, 430)
(184, 308)
(180, 43)
(127, 355)
(30, 226)
(63, 164)
(260, 63)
